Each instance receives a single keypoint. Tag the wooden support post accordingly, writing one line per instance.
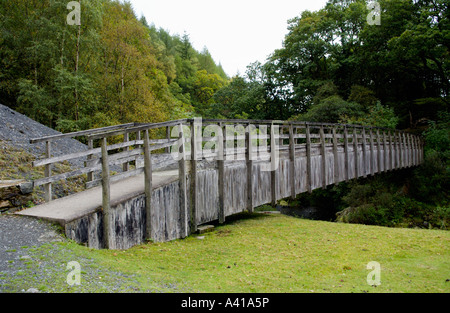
(183, 183)
(386, 152)
(126, 138)
(221, 170)
(48, 172)
(194, 183)
(106, 196)
(292, 170)
(401, 155)
(372, 154)
(148, 186)
(415, 151)
(364, 150)
(168, 137)
(249, 160)
(335, 156)
(323, 153)
(391, 152)
(308, 159)
(396, 162)
(90, 175)
(346, 157)
(274, 159)
(408, 150)
(379, 151)
(355, 152)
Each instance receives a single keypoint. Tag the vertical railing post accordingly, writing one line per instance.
(249, 160)
(48, 172)
(372, 154)
(148, 186)
(355, 152)
(90, 175)
(274, 164)
(364, 148)
(106, 196)
(292, 170)
(221, 171)
(346, 156)
(168, 137)
(194, 183)
(379, 151)
(183, 183)
(335, 156)
(126, 138)
(308, 159)
(323, 156)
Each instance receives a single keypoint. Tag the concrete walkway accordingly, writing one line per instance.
(70, 208)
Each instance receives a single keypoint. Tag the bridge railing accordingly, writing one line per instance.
(344, 152)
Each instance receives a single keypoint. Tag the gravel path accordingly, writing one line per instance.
(17, 235)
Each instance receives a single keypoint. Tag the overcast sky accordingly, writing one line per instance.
(236, 32)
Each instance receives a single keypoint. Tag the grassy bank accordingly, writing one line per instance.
(258, 253)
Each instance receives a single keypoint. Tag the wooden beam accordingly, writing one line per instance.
(106, 196)
(249, 161)
(346, 156)
(148, 176)
(292, 170)
(372, 154)
(379, 151)
(335, 156)
(323, 154)
(274, 159)
(364, 152)
(355, 152)
(308, 159)
(183, 184)
(126, 138)
(221, 172)
(194, 184)
(48, 172)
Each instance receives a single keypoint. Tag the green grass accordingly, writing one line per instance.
(271, 253)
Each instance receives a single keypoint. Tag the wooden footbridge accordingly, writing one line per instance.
(160, 181)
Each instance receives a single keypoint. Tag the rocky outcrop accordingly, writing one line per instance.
(15, 194)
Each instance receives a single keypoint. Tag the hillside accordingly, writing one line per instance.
(17, 129)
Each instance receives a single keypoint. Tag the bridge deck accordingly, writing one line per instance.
(68, 209)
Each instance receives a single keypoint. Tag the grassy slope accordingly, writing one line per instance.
(275, 253)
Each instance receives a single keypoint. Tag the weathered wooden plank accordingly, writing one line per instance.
(249, 162)
(364, 153)
(90, 176)
(80, 133)
(194, 184)
(126, 165)
(106, 196)
(323, 157)
(346, 156)
(336, 156)
(372, 154)
(138, 127)
(183, 184)
(221, 173)
(274, 160)
(292, 170)
(114, 178)
(48, 172)
(355, 152)
(378, 151)
(308, 159)
(148, 186)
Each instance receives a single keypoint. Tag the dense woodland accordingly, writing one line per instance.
(334, 66)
